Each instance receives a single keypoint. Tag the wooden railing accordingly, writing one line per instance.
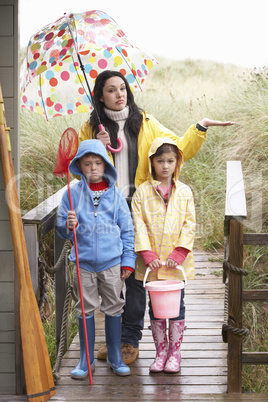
(37, 224)
(235, 214)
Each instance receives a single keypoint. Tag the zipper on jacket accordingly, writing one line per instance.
(95, 212)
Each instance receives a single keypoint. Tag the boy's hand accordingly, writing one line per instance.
(125, 273)
(155, 265)
(71, 220)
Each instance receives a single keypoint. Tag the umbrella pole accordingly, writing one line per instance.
(80, 286)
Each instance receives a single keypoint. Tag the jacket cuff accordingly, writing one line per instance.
(179, 255)
(148, 256)
(200, 127)
(128, 269)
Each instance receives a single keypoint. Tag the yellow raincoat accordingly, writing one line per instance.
(162, 230)
(151, 129)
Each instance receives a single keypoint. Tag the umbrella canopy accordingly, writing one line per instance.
(64, 58)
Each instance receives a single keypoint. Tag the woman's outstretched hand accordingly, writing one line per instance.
(208, 123)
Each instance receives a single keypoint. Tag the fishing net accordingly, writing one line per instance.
(66, 152)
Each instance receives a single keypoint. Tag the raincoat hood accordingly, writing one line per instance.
(155, 145)
(94, 147)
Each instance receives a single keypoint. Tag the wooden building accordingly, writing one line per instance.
(9, 78)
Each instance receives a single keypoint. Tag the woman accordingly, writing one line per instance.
(122, 118)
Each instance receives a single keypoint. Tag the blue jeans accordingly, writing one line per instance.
(134, 310)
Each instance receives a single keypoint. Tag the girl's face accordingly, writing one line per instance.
(114, 94)
(92, 167)
(164, 166)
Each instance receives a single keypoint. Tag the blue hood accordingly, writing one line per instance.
(94, 147)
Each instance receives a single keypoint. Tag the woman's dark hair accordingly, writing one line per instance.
(134, 120)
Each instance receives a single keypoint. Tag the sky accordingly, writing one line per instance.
(225, 31)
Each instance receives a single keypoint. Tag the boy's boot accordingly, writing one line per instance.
(176, 329)
(113, 342)
(81, 369)
(158, 328)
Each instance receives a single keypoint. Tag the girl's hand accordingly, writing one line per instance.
(71, 220)
(104, 137)
(125, 273)
(207, 123)
(171, 263)
(155, 265)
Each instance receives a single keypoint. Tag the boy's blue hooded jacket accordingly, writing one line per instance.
(105, 235)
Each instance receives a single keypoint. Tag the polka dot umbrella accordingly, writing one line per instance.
(64, 58)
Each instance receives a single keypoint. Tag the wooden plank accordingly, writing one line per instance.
(6, 51)
(255, 357)
(3, 206)
(7, 81)
(255, 295)
(6, 296)
(235, 203)
(205, 363)
(7, 353)
(7, 266)
(5, 237)
(7, 329)
(260, 239)
(6, 20)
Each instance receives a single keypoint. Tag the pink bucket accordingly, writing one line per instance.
(165, 296)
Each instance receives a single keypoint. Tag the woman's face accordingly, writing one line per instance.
(114, 94)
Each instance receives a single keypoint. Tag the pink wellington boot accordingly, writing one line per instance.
(158, 328)
(176, 329)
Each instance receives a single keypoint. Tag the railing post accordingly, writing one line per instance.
(235, 307)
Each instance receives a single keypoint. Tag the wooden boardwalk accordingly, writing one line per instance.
(203, 367)
(203, 374)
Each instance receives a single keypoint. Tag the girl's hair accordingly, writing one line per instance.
(134, 120)
(164, 149)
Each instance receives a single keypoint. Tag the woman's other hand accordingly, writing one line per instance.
(208, 123)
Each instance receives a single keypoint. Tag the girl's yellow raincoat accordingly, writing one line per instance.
(162, 229)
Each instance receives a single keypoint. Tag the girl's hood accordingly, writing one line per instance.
(94, 147)
(155, 145)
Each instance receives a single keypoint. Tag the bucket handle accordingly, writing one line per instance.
(163, 263)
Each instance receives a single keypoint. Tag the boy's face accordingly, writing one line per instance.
(92, 167)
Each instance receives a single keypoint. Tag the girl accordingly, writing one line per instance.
(164, 222)
(122, 118)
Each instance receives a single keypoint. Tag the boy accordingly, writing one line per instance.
(105, 239)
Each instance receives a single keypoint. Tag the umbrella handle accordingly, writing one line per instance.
(113, 150)
(179, 267)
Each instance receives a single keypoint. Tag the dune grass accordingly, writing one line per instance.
(179, 94)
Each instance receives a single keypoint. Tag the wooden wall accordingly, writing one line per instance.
(10, 358)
